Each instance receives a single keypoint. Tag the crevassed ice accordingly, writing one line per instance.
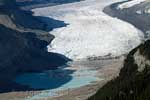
(89, 32)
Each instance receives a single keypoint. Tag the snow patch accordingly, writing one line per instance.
(130, 4)
(139, 12)
(147, 11)
(141, 61)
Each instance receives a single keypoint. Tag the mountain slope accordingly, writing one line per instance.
(133, 80)
(29, 4)
(23, 44)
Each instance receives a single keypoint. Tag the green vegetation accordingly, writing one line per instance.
(130, 84)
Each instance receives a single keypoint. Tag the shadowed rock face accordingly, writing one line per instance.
(130, 15)
(23, 45)
(4, 2)
(29, 4)
(24, 52)
(134, 78)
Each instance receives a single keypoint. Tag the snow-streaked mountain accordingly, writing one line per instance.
(130, 4)
(90, 32)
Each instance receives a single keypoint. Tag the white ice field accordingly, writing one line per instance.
(90, 32)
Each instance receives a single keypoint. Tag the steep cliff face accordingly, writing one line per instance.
(20, 51)
(137, 15)
(23, 44)
(133, 80)
(7, 2)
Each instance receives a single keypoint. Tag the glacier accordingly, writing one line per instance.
(90, 32)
